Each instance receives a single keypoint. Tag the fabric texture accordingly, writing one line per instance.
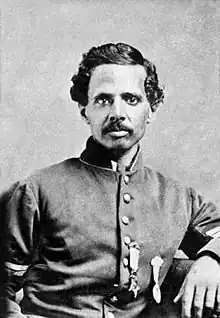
(65, 225)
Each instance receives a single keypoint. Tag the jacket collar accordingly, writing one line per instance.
(97, 155)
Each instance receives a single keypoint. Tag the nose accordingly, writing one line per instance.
(117, 111)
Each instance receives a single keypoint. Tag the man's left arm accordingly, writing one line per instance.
(200, 292)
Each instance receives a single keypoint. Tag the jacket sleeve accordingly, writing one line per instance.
(203, 233)
(20, 220)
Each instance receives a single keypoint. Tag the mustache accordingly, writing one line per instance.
(116, 126)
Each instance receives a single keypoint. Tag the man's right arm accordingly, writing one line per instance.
(20, 221)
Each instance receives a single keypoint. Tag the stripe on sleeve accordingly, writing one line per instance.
(16, 267)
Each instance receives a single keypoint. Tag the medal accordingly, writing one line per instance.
(156, 263)
(134, 251)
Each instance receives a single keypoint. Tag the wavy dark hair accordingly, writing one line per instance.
(121, 54)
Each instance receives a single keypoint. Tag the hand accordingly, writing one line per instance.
(200, 291)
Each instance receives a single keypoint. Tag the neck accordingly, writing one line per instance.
(98, 155)
(125, 158)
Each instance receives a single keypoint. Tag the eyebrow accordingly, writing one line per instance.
(102, 95)
(123, 95)
(128, 94)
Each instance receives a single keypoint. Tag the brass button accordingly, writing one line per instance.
(125, 262)
(126, 179)
(127, 240)
(116, 285)
(127, 198)
(125, 220)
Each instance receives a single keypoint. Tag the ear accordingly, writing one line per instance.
(151, 116)
(83, 113)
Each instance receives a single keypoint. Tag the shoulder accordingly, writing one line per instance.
(53, 176)
(165, 183)
(64, 167)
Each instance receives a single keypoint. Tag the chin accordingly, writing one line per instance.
(119, 145)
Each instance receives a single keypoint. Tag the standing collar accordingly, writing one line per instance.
(97, 155)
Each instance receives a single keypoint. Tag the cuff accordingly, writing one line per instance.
(211, 249)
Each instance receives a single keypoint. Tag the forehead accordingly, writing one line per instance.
(115, 78)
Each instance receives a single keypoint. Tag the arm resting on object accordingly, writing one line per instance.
(203, 233)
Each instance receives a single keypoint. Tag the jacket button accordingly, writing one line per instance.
(125, 220)
(127, 240)
(111, 315)
(127, 198)
(126, 179)
(125, 262)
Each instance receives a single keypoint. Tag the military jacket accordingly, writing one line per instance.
(70, 226)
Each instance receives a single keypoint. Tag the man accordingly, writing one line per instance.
(95, 236)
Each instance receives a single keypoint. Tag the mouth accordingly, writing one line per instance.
(118, 133)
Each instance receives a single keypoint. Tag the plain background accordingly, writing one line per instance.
(42, 44)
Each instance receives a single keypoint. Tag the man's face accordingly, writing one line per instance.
(117, 106)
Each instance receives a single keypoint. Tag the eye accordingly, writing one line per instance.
(103, 100)
(131, 99)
